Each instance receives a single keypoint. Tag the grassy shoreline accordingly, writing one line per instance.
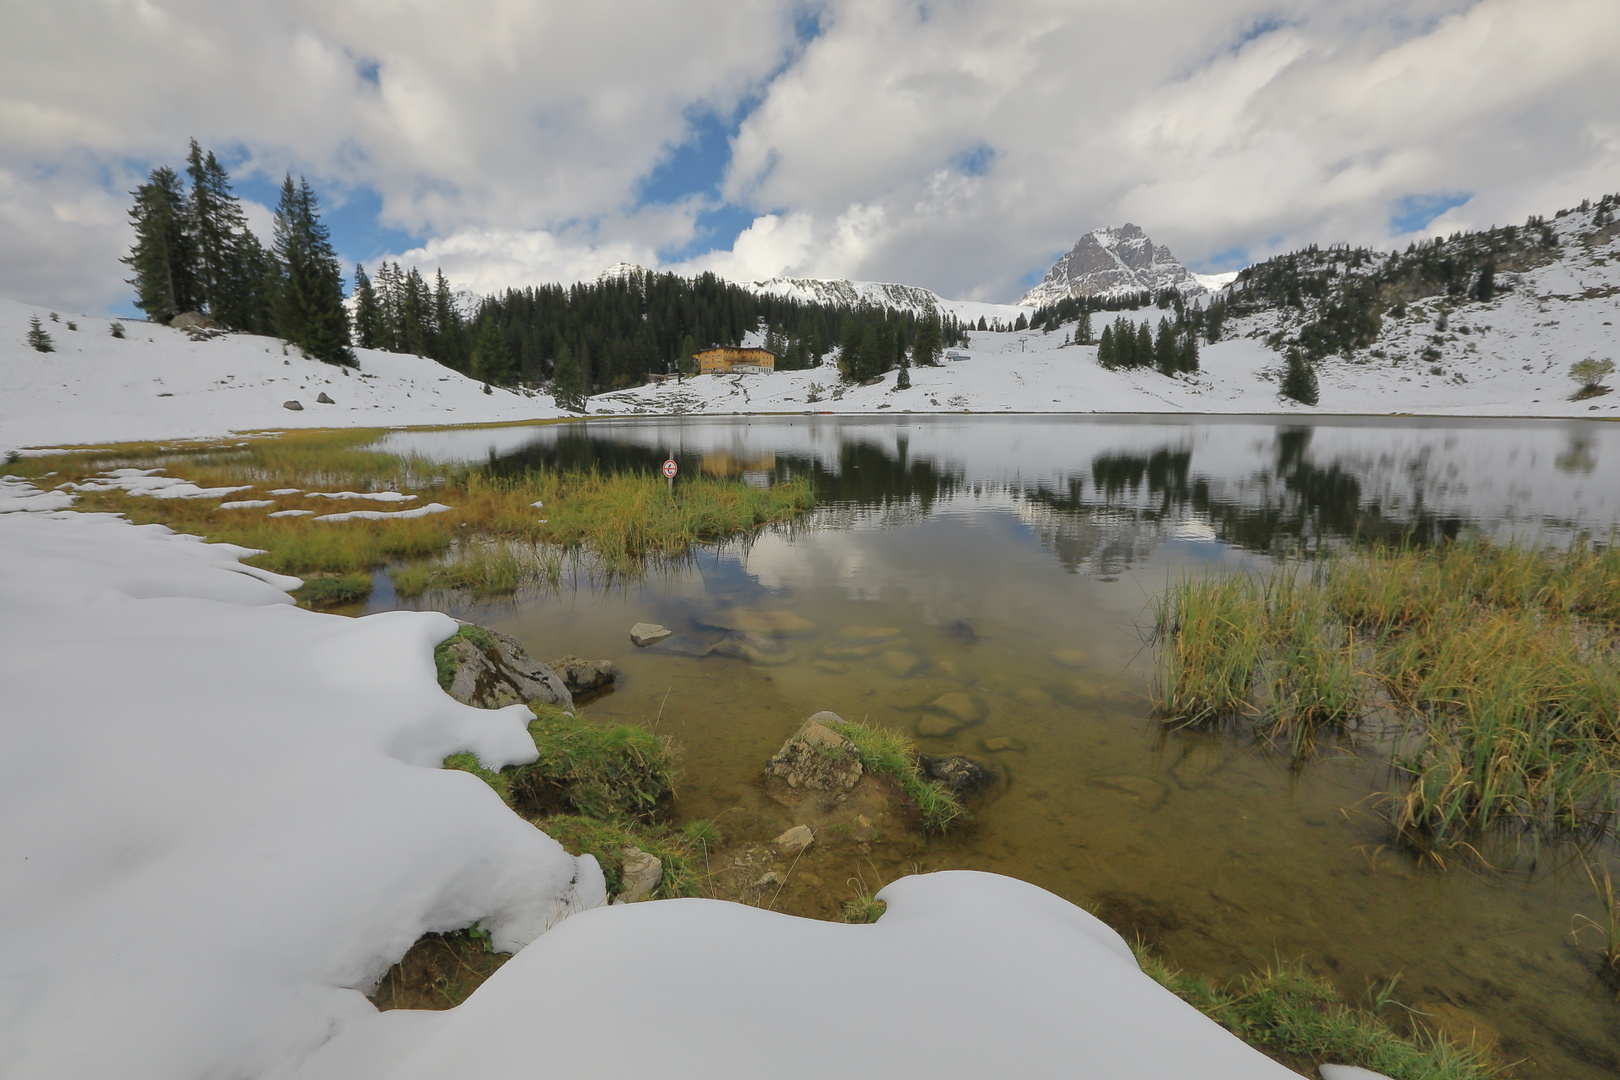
(499, 533)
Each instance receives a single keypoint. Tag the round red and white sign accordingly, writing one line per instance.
(669, 468)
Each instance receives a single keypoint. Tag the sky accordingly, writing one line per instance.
(959, 146)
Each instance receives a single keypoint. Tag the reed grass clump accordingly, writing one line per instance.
(1498, 663)
(891, 753)
(330, 590)
(1303, 1021)
(609, 838)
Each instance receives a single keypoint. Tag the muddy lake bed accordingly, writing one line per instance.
(1010, 563)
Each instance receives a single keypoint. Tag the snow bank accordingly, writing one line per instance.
(386, 515)
(967, 975)
(157, 383)
(221, 816)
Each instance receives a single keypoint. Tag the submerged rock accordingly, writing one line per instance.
(902, 665)
(490, 670)
(585, 676)
(932, 726)
(964, 708)
(755, 649)
(750, 621)
(999, 743)
(1144, 789)
(1070, 658)
(683, 645)
(795, 840)
(817, 758)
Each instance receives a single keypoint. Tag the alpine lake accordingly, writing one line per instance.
(1015, 560)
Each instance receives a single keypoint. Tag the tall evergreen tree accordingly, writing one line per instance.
(902, 381)
(686, 363)
(926, 346)
(366, 314)
(565, 380)
(162, 257)
(492, 360)
(1106, 355)
(308, 307)
(1144, 345)
(446, 322)
(1189, 351)
(1166, 354)
(216, 224)
(1082, 329)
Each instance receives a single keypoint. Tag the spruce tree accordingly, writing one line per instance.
(492, 360)
(366, 314)
(1166, 355)
(38, 339)
(1082, 329)
(162, 257)
(565, 379)
(686, 364)
(902, 381)
(446, 322)
(1105, 349)
(926, 345)
(308, 304)
(1487, 282)
(220, 235)
(869, 358)
(1189, 351)
(1144, 345)
(1299, 379)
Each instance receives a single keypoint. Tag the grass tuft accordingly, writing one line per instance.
(1303, 1021)
(890, 753)
(330, 590)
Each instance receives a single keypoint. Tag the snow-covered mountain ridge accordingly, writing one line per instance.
(1114, 262)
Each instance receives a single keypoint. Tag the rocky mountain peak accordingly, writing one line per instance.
(1107, 262)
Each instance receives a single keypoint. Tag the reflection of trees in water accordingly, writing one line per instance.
(1295, 503)
(865, 473)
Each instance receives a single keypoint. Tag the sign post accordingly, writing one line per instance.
(670, 469)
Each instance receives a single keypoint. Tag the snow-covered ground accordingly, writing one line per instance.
(222, 818)
(157, 383)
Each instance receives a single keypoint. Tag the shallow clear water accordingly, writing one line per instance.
(991, 544)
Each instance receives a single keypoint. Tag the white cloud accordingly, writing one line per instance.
(951, 144)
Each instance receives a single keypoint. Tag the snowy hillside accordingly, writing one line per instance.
(1115, 262)
(882, 294)
(158, 382)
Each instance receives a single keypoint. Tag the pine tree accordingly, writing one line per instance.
(492, 360)
(686, 363)
(870, 357)
(1082, 329)
(902, 381)
(1189, 351)
(308, 306)
(446, 322)
(162, 256)
(1144, 345)
(925, 346)
(1166, 354)
(38, 339)
(1022, 323)
(1106, 355)
(1487, 282)
(1299, 379)
(849, 349)
(565, 381)
(366, 314)
(220, 235)
(982, 324)
(586, 384)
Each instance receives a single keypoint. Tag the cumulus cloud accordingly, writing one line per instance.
(954, 144)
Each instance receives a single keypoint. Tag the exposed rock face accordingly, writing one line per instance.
(502, 673)
(322, 399)
(295, 406)
(1108, 262)
(817, 758)
(585, 676)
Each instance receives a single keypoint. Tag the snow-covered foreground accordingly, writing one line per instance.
(222, 817)
(157, 383)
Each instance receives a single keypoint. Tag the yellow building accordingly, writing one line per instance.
(725, 361)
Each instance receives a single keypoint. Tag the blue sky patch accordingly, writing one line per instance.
(1413, 213)
(351, 216)
(976, 162)
(1233, 258)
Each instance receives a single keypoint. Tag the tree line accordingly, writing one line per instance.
(194, 253)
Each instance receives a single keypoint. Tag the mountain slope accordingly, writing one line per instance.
(883, 294)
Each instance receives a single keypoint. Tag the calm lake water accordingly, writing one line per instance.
(1018, 558)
